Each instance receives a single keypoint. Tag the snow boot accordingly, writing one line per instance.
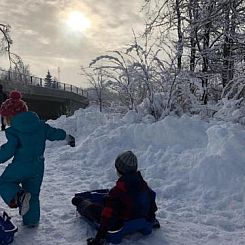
(23, 199)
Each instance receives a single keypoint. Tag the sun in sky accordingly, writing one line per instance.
(77, 21)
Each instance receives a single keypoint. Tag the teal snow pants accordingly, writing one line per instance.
(28, 176)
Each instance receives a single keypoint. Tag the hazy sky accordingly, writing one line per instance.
(68, 33)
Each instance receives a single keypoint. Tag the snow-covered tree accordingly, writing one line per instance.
(5, 41)
(120, 76)
(97, 79)
(16, 63)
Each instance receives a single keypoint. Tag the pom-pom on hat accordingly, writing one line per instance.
(126, 162)
(15, 95)
(13, 105)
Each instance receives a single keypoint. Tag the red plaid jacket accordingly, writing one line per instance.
(131, 198)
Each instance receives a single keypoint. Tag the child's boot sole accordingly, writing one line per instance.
(25, 205)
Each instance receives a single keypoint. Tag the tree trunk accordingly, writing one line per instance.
(228, 60)
(193, 16)
(180, 36)
(205, 50)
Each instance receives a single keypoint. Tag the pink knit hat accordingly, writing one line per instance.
(13, 105)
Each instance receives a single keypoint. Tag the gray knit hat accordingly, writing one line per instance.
(126, 162)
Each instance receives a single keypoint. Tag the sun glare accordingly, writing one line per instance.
(78, 22)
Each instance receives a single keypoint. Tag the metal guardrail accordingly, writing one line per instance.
(40, 82)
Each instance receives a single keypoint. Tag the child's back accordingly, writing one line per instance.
(31, 134)
(131, 198)
(21, 181)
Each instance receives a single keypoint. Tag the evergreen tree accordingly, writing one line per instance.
(48, 80)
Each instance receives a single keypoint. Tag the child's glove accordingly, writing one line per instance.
(70, 140)
(95, 241)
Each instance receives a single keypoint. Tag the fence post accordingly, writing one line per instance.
(41, 82)
(31, 79)
(9, 76)
(71, 87)
(64, 86)
(77, 89)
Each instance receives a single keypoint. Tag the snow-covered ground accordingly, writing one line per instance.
(197, 169)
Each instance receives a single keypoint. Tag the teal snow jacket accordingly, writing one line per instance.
(26, 137)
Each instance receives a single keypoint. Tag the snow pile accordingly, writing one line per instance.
(196, 168)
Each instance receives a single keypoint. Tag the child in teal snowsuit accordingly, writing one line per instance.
(26, 138)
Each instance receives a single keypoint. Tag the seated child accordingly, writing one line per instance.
(130, 198)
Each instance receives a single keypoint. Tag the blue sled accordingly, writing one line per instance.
(7, 229)
(130, 227)
(141, 225)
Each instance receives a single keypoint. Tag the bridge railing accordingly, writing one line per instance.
(40, 82)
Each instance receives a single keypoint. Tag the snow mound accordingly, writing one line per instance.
(196, 168)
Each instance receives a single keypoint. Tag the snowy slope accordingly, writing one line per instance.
(196, 168)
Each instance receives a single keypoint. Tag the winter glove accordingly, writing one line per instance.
(95, 241)
(70, 140)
